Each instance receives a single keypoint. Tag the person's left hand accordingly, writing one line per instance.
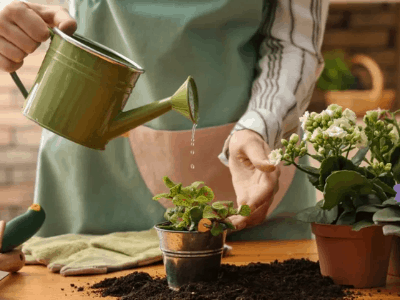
(255, 180)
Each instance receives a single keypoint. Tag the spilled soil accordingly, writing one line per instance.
(298, 279)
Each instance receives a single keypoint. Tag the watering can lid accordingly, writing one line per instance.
(123, 61)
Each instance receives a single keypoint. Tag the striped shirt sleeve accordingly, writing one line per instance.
(289, 66)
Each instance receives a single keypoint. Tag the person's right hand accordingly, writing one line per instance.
(24, 26)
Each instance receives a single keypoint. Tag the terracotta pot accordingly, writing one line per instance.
(394, 262)
(360, 259)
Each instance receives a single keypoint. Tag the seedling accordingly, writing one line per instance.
(194, 210)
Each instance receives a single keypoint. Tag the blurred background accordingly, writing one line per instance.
(370, 28)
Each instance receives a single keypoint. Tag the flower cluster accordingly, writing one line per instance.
(334, 132)
(352, 192)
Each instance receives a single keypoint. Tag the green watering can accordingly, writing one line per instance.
(82, 88)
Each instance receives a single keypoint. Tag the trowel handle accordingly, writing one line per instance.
(18, 81)
(19, 84)
(12, 261)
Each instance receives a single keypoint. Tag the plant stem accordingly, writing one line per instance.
(378, 155)
(348, 151)
(301, 169)
(367, 161)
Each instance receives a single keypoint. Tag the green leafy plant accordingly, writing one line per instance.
(194, 209)
(358, 189)
(336, 74)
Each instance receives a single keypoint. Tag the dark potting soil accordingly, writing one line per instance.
(294, 279)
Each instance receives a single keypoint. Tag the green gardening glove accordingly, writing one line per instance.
(77, 254)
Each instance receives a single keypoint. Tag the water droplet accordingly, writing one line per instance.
(192, 152)
(192, 166)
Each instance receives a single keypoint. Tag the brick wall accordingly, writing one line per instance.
(19, 137)
(371, 29)
(365, 28)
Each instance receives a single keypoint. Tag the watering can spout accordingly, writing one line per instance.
(184, 101)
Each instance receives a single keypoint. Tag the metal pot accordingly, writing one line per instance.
(190, 256)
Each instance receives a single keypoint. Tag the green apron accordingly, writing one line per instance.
(98, 192)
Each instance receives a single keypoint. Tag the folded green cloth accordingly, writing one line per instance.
(78, 254)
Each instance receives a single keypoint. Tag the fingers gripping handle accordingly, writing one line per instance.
(18, 82)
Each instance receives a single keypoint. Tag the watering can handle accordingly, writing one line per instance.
(18, 81)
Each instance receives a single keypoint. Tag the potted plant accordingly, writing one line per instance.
(340, 84)
(193, 238)
(352, 249)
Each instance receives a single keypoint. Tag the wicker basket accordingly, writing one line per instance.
(361, 101)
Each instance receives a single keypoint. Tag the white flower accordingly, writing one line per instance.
(394, 135)
(342, 123)
(350, 115)
(304, 119)
(328, 112)
(315, 134)
(335, 131)
(275, 157)
(363, 140)
(306, 136)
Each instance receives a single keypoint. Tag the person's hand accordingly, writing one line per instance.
(24, 26)
(254, 179)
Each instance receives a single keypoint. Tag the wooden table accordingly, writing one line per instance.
(38, 283)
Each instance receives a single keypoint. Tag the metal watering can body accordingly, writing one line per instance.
(82, 87)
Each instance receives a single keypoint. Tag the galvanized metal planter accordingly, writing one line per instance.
(190, 256)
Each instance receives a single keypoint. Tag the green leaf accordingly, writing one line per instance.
(318, 158)
(202, 199)
(193, 226)
(217, 229)
(317, 214)
(210, 213)
(391, 201)
(395, 161)
(167, 227)
(348, 205)
(169, 213)
(332, 164)
(187, 192)
(175, 190)
(313, 177)
(244, 211)
(346, 218)
(359, 156)
(223, 212)
(379, 192)
(344, 183)
(168, 182)
(221, 204)
(370, 208)
(175, 216)
(196, 214)
(232, 211)
(159, 196)
(186, 217)
(223, 207)
(385, 188)
(360, 200)
(388, 214)
(362, 224)
(229, 224)
(391, 230)
(196, 184)
(206, 192)
(181, 200)
(388, 180)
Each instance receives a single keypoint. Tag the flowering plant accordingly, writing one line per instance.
(195, 211)
(354, 188)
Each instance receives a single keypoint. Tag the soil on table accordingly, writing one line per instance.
(298, 279)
